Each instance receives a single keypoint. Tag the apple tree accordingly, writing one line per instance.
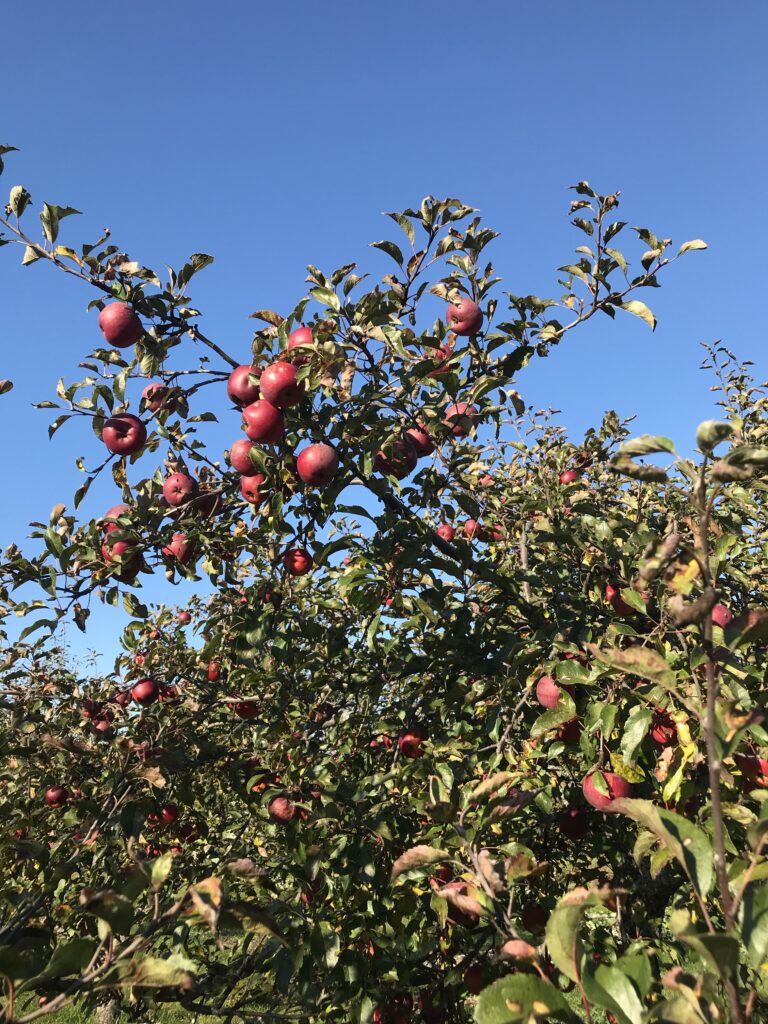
(467, 722)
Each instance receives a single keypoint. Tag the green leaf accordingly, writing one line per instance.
(325, 943)
(520, 998)
(417, 857)
(24, 959)
(161, 868)
(153, 972)
(50, 217)
(563, 712)
(390, 249)
(69, 958)
(637, 471)
(19, 200)
(110, 907)
(611, 989)
(563, 938)
(647, 444)
(711, 432)
(635, 731)
(696, 243)
(748, 455)
(326, 297)
(688, 843)
(753, 922)
(637, 308)
(637, 661)
(719, 952)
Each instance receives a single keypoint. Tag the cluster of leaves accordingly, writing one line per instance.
(348, 801)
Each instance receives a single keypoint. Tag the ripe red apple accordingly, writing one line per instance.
(145, 692)
(239, 457)
(547, 692)
(179, 488)
(618, 788)
(180, 548)
(573, 822)
(722, 615)
(464, 317)
(617, 602)
(214, 672)
(410, 744)
(252, 488)
(90, 708)
(156, 396)
(663, 728)
(120, 325)
(461, 417)
(184, 618)
(446, 531)
(443, 354)
(123, 556)
(103, 725)
(754, 771)
(122, 698)
(169, 813)
(263, 422)
(281, 809)
(297, 561)
(280, 386)
(534, 918)
(569, 476)
(300, 339)
(397, 459)
(246, 709)
(474, 979)
(242, 390)
(108, 523)
(318, 464)
(472, 529)
(124, 434)
(420, 439)
(570, 732)
(56, 796)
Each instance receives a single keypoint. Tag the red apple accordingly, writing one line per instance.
(184, 618)
(246, 709)
(120, 325)
(569, 476)
(474, 979)
(464, 317)
(397, 459)
(281, 809)
(297, 561)
(410, 744)
(722, 615)
(108, 523)
(570, 732)
(547, 692)
(252, 488)
(617, 602)
(754, 771)
(263, 422)
(123, 556)
(534, 917)
(157, 396)
(442, 354)
(214, 672)
(178, 489)
(241, 388)
(56, 796)
(573, 822)
(300, 339)
(90, 708)
(240, 457)
(446, 531)
(663, 728)
(618, 788)
(280, 386)
(318, 464)
(472, 529)
(124, 434)
(169, 813)
(420, 439)
(145, 692)
(180, 548)
(461, 417)
(122, 698)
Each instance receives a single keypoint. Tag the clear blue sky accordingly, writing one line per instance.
(273, 135)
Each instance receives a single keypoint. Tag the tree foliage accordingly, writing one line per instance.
(472, 730)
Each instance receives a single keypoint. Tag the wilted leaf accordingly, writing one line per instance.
(417, 857)
(640, 309)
